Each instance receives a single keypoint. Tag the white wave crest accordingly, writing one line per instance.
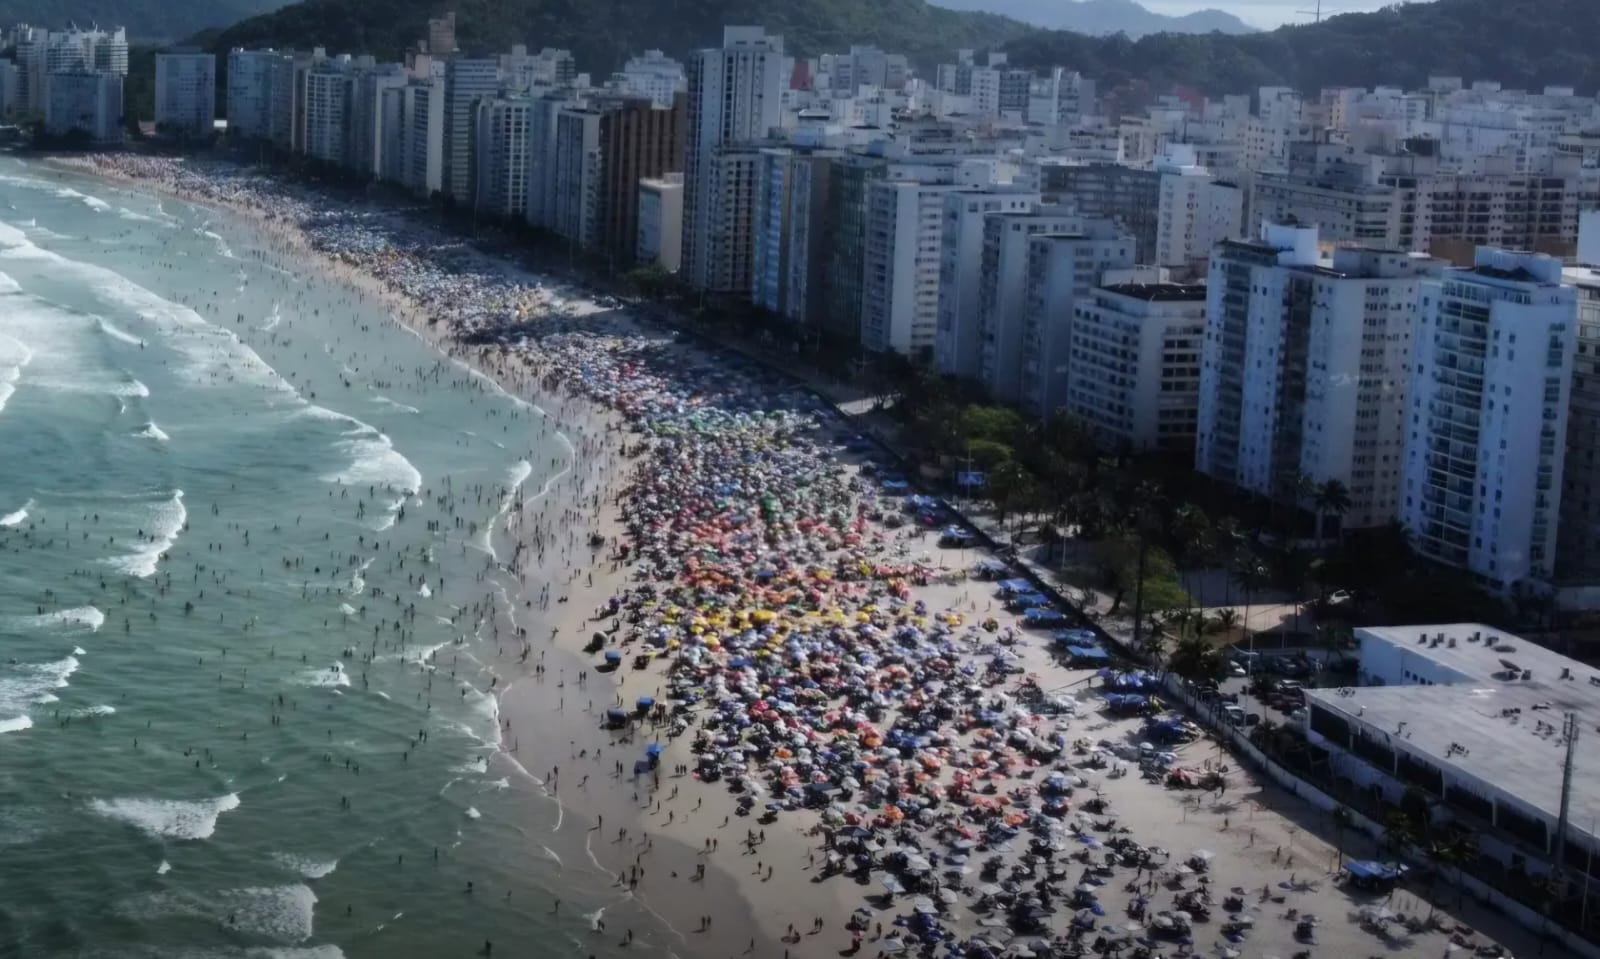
(161, 531)
(168, 818)
(25, 685)
(305, 865)
(151, 431)
(17, 517)
(78, 617)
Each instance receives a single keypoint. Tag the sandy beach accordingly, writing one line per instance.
(895, 761)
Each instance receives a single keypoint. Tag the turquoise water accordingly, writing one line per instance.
(244, 565)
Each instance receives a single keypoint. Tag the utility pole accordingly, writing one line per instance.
(1314, 12)
(1569, 732)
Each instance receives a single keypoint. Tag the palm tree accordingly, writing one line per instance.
(1195, 659)
(1455, 853)
(1332, 499)
(1226, 619)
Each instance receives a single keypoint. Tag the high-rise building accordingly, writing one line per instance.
(654, 75)
(575, 198)
(1578, 546)
(735, 96)
(542, 129)
(423, 171)
(730, 244)
(900, 282)
(186, 93)
(1489, 401)
(327, 111)
(250, 92)
(639, 140)
(87, 104)
(368, 135)
(466, 81)
(442, 35)
(1134, 372)
(1062, 269)
(660, 221)
(791, 232)
(1003, 292)
(1306, 367)
(502, 148)
(957, 350)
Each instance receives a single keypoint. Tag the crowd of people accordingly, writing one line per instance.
(842, 674)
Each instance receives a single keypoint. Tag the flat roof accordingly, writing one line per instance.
(1466, 727)
(1159, 291)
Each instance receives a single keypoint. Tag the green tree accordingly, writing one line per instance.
(1332, 500)
(1195, 659)
(1343, 819)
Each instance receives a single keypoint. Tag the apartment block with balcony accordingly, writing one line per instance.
(1134, 371)
(1003, 292)
(1062, 270)
(957, 343)
(1489, 404)
(900, 282)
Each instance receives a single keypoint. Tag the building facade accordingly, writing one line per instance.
(1489, 401)
(735, 96)
(186, 93)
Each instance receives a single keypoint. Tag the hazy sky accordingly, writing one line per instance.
(1265, 13)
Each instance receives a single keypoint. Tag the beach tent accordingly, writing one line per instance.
(1087, 655)
(1009, 586)
(1044, 615)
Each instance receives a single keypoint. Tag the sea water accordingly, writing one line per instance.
(230, 490)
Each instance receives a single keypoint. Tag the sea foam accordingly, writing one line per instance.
(18, 516)
(161, 530)
(67, 620)
(168, 818)
(25, 685)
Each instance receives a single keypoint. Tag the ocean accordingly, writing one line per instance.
(245, 567)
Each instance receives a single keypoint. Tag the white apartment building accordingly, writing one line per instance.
(1134, 371)
(900, 285)
(369, 136)
(730, 244)
(1062, 268)
(958, 341)
(654, 75)
(503, 148)
(661, 221)
(1195, 212)
(326, 114)
(186, 93)
(1063, 98)
(74, 50)
(250, 90)
(1003, 292)
(735, 96)
(573, 202)
(466, 81)
(1305, 369)
(542, 122)
(88, 103)
(423, 169)
(1489, 407)
(1578, 546)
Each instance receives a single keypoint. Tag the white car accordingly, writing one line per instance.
(1234, 669)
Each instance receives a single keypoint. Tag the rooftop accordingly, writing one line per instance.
(1158, 291)
(1498, 723)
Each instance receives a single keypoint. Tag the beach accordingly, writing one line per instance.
(723, 619)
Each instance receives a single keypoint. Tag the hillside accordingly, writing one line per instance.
(148, 20)
(603, 34)
(1525, 44)
(1101, 18)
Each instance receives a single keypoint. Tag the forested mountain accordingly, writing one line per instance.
(603, 34)
(1521, 43)
(146, 20)
(1104, 17)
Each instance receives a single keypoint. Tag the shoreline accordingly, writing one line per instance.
(821, 643)
(519, 689)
